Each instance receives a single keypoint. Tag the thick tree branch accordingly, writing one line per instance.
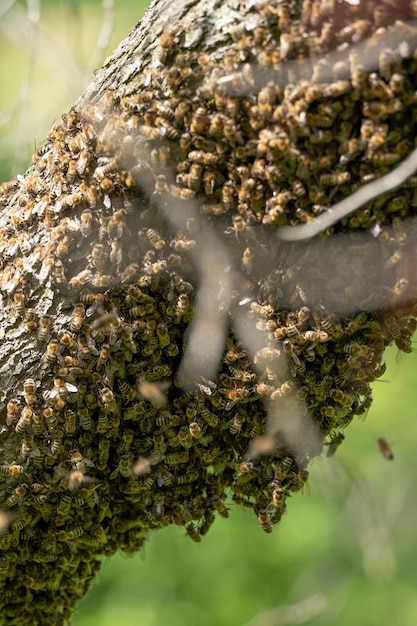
(160, 347)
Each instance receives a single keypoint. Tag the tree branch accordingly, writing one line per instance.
(155, 202)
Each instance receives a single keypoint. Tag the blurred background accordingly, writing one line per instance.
(345, 552)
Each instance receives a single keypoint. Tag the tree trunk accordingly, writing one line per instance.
(162, 346)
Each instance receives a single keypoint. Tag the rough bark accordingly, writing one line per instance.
(161, 347)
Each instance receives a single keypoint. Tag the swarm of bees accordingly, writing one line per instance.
(102, 441)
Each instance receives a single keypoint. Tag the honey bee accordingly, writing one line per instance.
(50, 418)
(265, 521)
(78, 317)
(176, 458)
(29, 389)
(67, 341)
(337, 178)
(154, 392)
(80, 280)
(192, 532)
(19, 302)
(12, 409)
(108, 400)
(98, 257)
(47, 265)
(25, 419)
(86, 222)
(70, 424)
(278, 497)
(334, 443)
(69, 535)
(154, 237)
(30, 320)
(44, 328)
(237, 423)
(266, 354)
(124, 467)
(385, 449)
(11, 470)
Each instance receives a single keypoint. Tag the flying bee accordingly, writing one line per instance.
(334, 443)
(154, 392)
(29, 389)
(385, 449)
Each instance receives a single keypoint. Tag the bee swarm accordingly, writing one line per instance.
(101, 443)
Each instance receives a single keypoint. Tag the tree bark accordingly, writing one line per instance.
(161, 346)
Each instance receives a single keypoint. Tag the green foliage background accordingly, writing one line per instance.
(346, 550)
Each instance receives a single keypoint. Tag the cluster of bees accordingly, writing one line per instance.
(101, 441)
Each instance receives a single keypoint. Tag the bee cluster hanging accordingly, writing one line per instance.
(240, 130)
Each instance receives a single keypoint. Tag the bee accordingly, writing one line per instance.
(12, 409)
(237, 423)
(154, 237)
(103, 453)
(29, 389)
(37, 424)
(285, 388)
(30, 320)
(17, 495)
(11, 470)
(192, 532)
(19, 302)
(337, 178)
(278, 497)
(25, 420)
(86, 222)
(108, 400)
(164, 48)
(78, 317)
(84, 277)
(124, 467)
(334, 443)
(67, 341)
(104, 356)
(266, 354)
(98, 257)
(64, 505)
(46, 268)
(342, 398)
(44, 329)
(69, 535)
(154, 392)
(265, 520)
(385, 449)
(70, 424)
(219, 505)
(50, 418)
(177, 457)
